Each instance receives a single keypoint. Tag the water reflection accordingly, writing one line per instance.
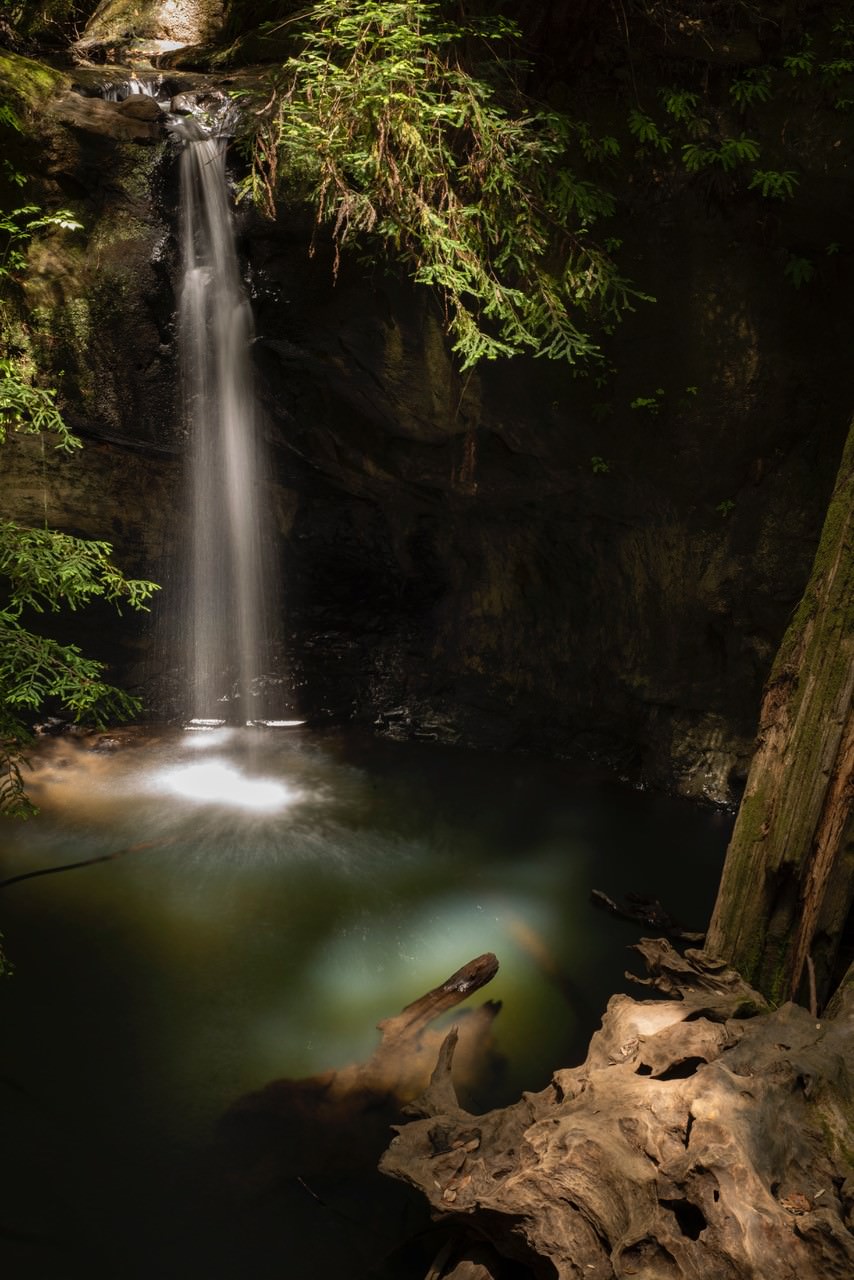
(216, 782)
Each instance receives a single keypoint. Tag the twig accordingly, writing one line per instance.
(86, 862)
(813, 996)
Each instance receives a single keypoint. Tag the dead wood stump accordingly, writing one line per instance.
(704, 1138)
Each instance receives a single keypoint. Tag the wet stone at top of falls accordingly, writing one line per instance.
(139, 106)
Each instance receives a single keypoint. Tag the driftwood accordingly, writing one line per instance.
(704, 1138)
(340, 1121)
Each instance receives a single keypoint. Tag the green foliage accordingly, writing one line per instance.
(725, 507)
(379, 125)
(649, 404)
(20, 225)
(798, 271)
(754, 86)
(730, 153)
(30, 409)
(35, 668)
(801, 63)
(682, 105)
(596, 149)
(46, 570)
(9, 120)
(599, 466)
(647, 132)
(25, 407)
(837, 68)
(43, 570)
(773, 184)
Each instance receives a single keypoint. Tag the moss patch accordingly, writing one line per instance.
(26, 84)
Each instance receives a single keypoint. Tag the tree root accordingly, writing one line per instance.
(704, 1138)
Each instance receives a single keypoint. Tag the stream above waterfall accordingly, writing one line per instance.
(276, 893)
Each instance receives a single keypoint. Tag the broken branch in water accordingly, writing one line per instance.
(647, 912)
(341, 1119)
(85, 862)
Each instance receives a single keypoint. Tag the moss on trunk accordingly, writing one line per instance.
(791, 837)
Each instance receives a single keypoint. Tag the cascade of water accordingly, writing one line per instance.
(227, 627)
(118, 90)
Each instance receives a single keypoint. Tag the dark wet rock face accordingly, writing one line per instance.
(460, 565)
(514, 557)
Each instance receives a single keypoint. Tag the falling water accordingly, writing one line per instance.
(228, 616)
(118, 90)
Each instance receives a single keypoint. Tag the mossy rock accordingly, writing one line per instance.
(26, 84)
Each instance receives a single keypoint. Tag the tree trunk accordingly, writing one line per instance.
(787, 883)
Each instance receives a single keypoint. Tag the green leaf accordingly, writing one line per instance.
(798, 271)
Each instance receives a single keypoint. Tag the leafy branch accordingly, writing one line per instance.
(47, 569)
(31, 410)
(20, 225)
(377, 123)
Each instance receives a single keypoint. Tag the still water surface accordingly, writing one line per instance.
(283, 892)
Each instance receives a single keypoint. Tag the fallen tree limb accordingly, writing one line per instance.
(648, 912)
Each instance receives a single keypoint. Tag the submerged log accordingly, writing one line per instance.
(646, 911)
(340, 1120)
(704, 1138)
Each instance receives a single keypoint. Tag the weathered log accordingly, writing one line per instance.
(788, 880)
(695, 1142)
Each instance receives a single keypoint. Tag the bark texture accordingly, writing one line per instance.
(701, 1138)
(792, 838)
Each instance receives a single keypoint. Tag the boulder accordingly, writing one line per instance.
(118, 25)
(139, 106)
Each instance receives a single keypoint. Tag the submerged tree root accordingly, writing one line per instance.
(704, 1138)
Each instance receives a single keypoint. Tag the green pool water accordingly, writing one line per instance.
(274, 895)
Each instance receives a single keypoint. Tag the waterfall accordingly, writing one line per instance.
(118, 90)
(228, 614)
